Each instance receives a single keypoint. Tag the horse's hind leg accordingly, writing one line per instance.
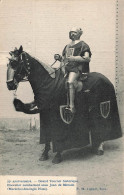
(98, 150)
(57, 158)
(44, 155)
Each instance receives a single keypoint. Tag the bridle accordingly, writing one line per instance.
(21, 69)
(24, 66)
(21, 66)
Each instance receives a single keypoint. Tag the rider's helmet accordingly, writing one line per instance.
(75, 33)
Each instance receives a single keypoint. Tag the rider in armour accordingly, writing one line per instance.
(76, 57)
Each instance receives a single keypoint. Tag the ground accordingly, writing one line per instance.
(20, 152)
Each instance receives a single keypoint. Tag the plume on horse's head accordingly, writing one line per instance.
(16, 68)
(16, 51)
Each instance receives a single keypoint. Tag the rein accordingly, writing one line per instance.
(53, 63)
(28, 67)
(22, 68)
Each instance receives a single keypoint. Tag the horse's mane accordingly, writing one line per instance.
(44, 87)
(47, 67)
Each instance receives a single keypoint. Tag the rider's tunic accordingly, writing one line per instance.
(76, 50)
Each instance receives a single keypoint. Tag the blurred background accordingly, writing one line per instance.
(42, 28)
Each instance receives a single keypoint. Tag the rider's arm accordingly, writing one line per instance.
(84, 58)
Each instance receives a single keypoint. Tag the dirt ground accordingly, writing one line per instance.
(20, 151)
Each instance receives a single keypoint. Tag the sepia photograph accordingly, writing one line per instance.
(61, 97)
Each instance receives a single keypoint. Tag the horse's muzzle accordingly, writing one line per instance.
(11, 85)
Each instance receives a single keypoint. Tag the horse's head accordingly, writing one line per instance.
(17, 68)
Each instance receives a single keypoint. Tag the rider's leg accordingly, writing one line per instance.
(71, 89)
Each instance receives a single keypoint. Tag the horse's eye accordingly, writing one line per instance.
(14, 64)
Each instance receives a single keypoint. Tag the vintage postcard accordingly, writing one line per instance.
(61, 97)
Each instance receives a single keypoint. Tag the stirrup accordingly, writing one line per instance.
(71, 109)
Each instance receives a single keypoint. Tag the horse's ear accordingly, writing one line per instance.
(20, 49)
(10, 53)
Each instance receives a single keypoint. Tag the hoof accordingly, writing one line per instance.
(44, 157)
(99, 152)
(57, 159)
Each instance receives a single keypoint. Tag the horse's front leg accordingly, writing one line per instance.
(44, 155)
(98, 149)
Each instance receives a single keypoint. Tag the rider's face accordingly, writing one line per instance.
(73, 35)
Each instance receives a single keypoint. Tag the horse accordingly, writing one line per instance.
(96, 119)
